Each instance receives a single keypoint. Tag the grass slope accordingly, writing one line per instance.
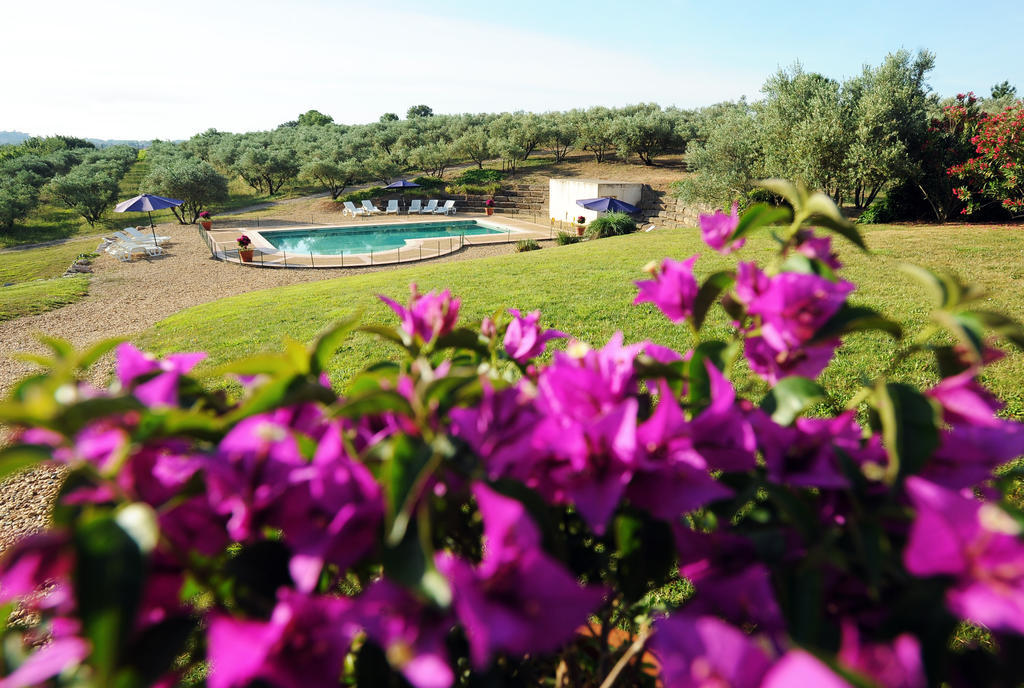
(41, 263)
(587, 290)
(30, 298)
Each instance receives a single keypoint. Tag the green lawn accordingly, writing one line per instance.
(30, 298)
(586, 289)
(42, 263)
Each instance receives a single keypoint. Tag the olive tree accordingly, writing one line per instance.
(88, 189)
(189, 179)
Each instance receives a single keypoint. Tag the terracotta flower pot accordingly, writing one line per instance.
(579, 230)
(245, 255)
(206, 224)
(490, 211)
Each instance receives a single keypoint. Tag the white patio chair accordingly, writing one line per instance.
(370, 208)
(430, 207)
(415, 206)
(392, 208)
(447, 209)
(141, 238)
(351, 209)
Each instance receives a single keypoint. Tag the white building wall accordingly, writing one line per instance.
(563, 194)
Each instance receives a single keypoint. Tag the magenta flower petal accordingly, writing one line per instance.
(47, 662)
(673, 289)
(705, 652)
(718, 228)
(524, 339)
(800, 668)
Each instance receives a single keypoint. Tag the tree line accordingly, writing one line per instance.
(883, 132)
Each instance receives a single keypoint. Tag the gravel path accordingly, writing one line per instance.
(125, 299)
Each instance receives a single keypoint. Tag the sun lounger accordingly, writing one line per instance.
(351, 209)
(141, 238)
(151, 248)
(392, 208)
(124, 250)
(447, 209)
(415, 206)
(370, 208)
(430, 207)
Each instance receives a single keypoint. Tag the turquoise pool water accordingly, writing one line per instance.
(337, 241)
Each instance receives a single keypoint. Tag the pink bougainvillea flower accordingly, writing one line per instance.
(716, 230)
(429, 315)
(818, 248)
(706, 652)
(47, 662)
(329, 512)
(727, 578)
(774, 364)
(33, 561)
(673, 289)
(524, 339)
(804, 455)
(895, 665)
(499, 429)
(411, 635)
(978, 545)
(302, 645)
(722, 432)
(965, 401)
(161, 390)
(518, 599)
(800, 668)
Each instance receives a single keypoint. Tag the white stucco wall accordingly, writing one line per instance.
(565, 192)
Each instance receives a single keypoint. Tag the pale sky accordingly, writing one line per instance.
(140, 69)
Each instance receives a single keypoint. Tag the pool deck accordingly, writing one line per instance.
(222, 242)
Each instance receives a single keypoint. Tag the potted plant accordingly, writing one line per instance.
(580, 222)
(489, 206)
(244, 252)
(204, 219)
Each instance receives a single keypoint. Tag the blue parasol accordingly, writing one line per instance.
(147, 203)
(607, 204)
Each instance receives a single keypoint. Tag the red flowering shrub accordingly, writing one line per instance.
(994, 174)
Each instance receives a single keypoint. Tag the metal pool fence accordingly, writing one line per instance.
(274, 258)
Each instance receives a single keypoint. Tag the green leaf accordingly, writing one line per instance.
(709, 292)
(152, 652)
(790, 397)
(388, 333)
(19, 457)
(945, 288)
(821, 211)
(646, 553)
(785, 188)
(761, 215)
(257, 571)
(61, 347)
(403, 459)
(798, 262)
(406, 562)
(331, 340)
(909, 428)
(260, 364)
(97, 351)
(462, 338)
(1001, 325)
(857, 319)
(109, 572)
(719, 353)
(374, 402)
(966, 328)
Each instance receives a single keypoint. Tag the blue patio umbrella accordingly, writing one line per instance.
(607, 204)
(402, 184)
(147, 203)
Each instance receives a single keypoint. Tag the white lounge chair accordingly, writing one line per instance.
(370, 208)
(392, 208)
(124, 250)
(141, 238)
(415, 206)
(447, 209)
(351, 209)
(430, 207)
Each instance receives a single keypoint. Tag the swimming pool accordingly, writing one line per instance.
(351, 240)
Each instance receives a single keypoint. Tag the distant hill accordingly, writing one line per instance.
(16, 137)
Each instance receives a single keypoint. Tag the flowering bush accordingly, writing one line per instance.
(243, 241)
(474, 516)
(581, 220)
(205, 215)
(994, 174)
(489, 203)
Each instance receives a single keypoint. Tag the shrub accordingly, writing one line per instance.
(876, 213)
(474, 189)
(611, 224)
(429, 183)
(364, 194)
(564, 238)
(527, 245)
(469, 508)
(479, 177)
